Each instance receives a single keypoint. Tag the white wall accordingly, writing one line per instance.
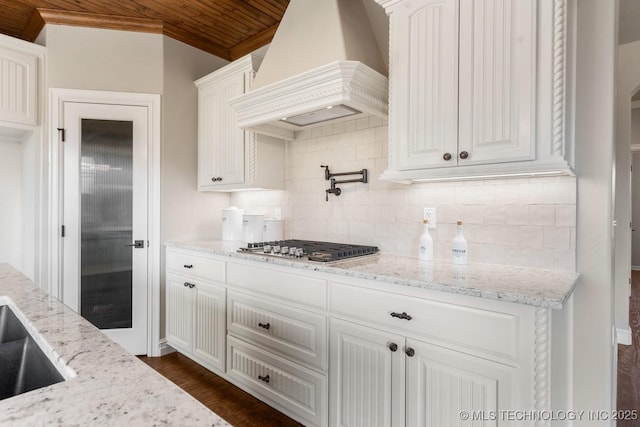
(594, 368)
(628, 82)
(97, 59)
(635, 218)
(527, 222)
(11, 202)
(122, 61)
(186, 213)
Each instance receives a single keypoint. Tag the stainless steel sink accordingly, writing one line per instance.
(23, 365)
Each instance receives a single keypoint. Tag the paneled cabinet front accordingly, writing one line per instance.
(383, 379)
(471, 92)
(196, 308)
(230, 158)
(196, 320)
(19, 68)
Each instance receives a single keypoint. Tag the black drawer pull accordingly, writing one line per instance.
(264, 325)
(402, 315)
(188, 266)
(265, 378)
(189, 285)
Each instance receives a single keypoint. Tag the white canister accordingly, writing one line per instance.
(252, 227)
(273, 230)
(232, 223)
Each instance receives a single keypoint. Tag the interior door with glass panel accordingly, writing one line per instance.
(105, 219)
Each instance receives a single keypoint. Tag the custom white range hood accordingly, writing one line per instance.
(323, 64)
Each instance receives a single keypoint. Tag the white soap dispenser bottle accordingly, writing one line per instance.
(425, 246)
(459, 250)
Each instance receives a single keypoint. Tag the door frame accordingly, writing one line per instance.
(54, 193)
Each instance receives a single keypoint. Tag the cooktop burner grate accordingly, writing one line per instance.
(309, 249)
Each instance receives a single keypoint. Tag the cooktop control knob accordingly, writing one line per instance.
(284, 250)
(266, 249)
(276, 249)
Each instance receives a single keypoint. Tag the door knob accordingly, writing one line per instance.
(138, 244)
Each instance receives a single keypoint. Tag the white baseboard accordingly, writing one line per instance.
(635, 267)
(623, 336)
(165, 348)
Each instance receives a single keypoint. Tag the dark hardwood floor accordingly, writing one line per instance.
(234, 405)
(629, 358)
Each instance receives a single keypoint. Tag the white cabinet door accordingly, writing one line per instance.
(477, 88)
(210, 324)
(497, 81)
(443, 383)
(424, 84)
(366, 377)
(180, 300)
(19, 88)
(220, 141)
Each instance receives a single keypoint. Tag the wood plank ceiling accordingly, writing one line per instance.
(228, 29)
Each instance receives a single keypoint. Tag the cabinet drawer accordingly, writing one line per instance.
(291, 333)
(280, 284)
(492, 333)
(195, 265)
(298, 390)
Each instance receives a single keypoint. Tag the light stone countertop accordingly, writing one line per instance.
(109, 387)
(523, 285)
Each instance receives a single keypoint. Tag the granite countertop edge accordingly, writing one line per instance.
(529, 286)
(105, 384)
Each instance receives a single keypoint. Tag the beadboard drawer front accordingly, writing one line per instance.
(289, 332)
(280, 284)
(491, 333)
(298, 390)
(195, 265)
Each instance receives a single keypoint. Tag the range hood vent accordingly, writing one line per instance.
(322, 65)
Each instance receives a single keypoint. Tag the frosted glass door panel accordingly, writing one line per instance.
(106, 179)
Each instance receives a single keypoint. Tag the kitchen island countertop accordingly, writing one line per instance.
(523, 285)
(110, 387)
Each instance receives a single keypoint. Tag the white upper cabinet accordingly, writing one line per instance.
(230, 158)
(477, 88)
(19, 68)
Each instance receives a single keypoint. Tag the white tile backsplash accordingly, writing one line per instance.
(525, 221)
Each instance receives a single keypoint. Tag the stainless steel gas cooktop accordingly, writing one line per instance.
(309, 250)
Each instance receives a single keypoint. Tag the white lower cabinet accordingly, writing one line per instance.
(443, 384)
(382, 379)
(366, 376)
(361, 352)
(297, 390)
(196, 320)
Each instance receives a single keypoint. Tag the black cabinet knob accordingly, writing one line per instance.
(447, 156)
(264, 325)
(464, 155)
(393, 347)
(265, 378)
(410, 352)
